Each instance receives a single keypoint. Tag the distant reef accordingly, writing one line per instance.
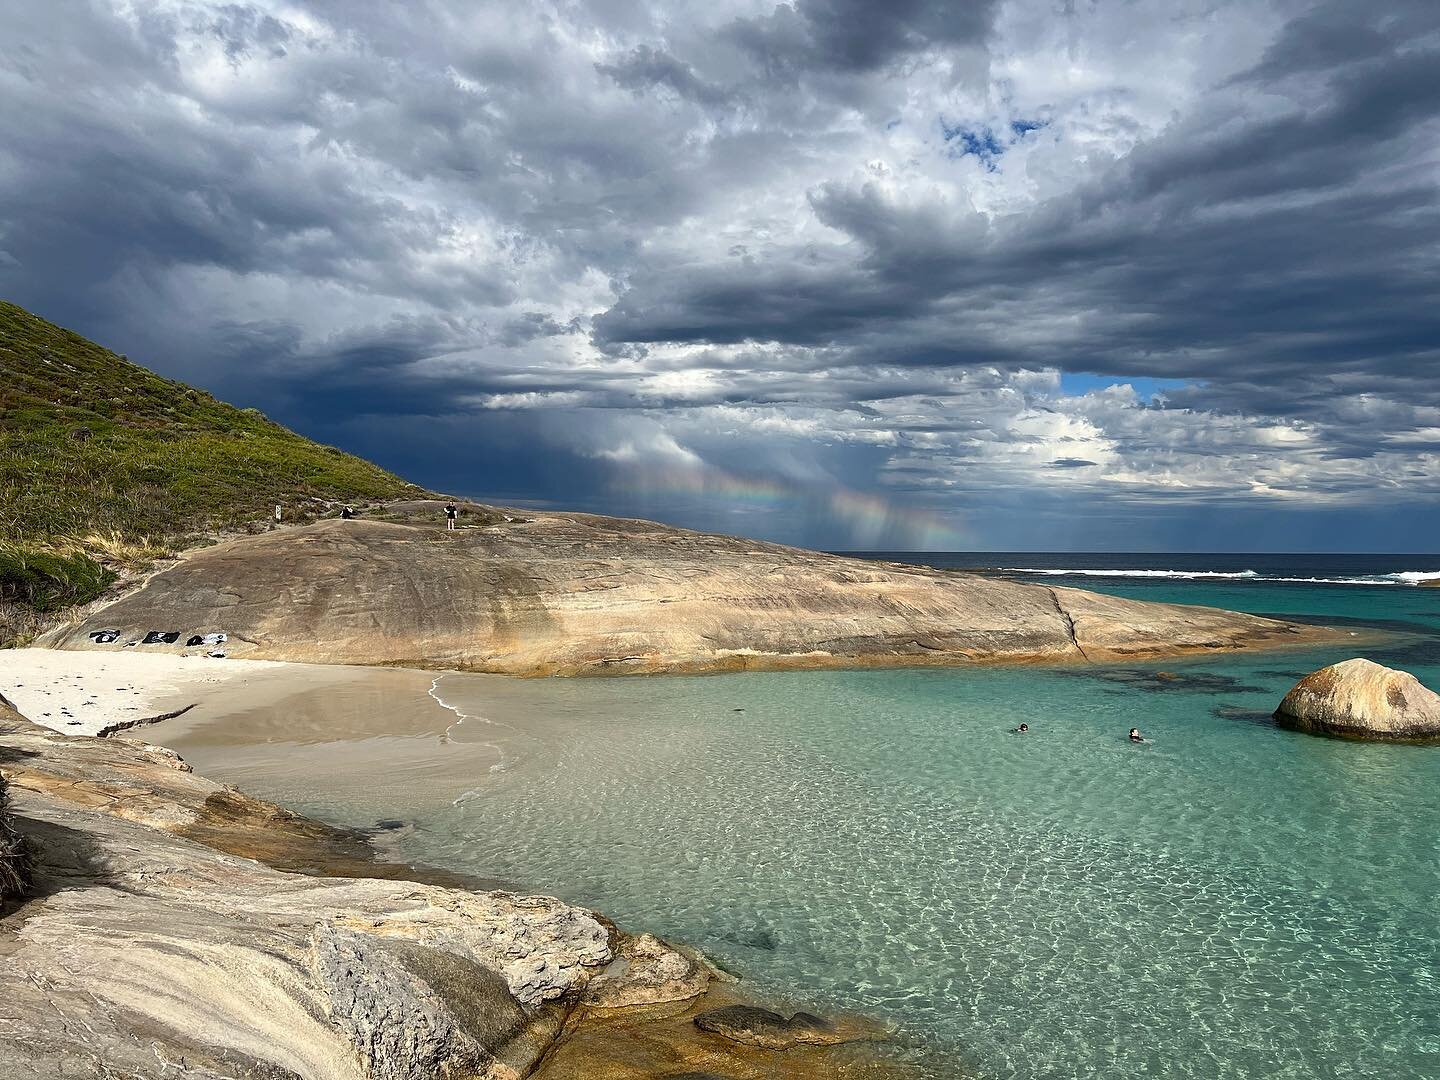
(528, 593)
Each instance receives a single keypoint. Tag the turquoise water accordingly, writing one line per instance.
(1230, 900)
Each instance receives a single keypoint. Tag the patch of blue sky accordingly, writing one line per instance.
(1075, 384)
(983, 142)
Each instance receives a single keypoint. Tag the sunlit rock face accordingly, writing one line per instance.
(1363, 699)
(578, 594)
(167, 953)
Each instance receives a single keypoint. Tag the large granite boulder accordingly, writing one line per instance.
(1363, 699)
(573, 594)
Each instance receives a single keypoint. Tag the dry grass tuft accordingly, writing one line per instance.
(115, 549)
(15, 863)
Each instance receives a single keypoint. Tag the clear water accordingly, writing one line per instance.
(1230, 900)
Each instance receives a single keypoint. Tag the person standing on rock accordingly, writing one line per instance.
(451, 513)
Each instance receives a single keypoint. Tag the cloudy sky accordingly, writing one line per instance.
(1047, 274)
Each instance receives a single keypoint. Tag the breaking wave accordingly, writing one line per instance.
(1403, 577)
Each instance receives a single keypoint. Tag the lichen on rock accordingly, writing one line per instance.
(1362, 699)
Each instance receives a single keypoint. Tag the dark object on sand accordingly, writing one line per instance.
(161, 637)
(194, 640)
(15, 864)
(104, 637)
(347, 513)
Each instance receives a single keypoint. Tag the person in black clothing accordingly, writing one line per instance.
(451, 513)
(1135, 735)
(347, 513)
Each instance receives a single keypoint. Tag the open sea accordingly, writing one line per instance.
(1228, 900)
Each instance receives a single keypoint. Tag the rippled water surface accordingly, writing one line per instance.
(1230, 900)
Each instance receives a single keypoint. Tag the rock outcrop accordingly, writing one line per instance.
(577, 594)
(771, 1031)
(1362, 699)
(150, 950)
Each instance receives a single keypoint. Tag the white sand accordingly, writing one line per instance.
(87, 692)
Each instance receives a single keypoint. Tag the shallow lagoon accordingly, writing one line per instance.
(1230, 900)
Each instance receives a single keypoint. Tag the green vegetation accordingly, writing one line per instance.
(106, 466)
(47, 580)
(91, 444)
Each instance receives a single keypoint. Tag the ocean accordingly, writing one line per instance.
(1229, 900)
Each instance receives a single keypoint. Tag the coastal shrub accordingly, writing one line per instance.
(48, 580)
(15, 862)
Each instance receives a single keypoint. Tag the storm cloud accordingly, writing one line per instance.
(1014, 273)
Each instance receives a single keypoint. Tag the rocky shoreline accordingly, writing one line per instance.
(177, 924)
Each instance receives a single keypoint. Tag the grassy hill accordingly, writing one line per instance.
(90, 441)
(102, 460)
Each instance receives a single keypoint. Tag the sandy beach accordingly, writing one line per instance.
(96, 693)
(364, 737)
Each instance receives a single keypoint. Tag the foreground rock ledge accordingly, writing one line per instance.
(149, 950)
(576, 594)
(1362, 699)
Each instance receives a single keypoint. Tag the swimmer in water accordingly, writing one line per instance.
(1021, 730)
(1135, 735)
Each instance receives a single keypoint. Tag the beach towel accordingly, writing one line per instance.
(104, 637)
(161, 637)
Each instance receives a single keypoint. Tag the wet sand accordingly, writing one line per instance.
(357, 746)
(347, 742)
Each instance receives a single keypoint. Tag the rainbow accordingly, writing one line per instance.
(869, 522)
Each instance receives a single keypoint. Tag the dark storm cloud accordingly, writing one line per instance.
(857, 36)
(856, 241)
(1171, 257)
(644, 67)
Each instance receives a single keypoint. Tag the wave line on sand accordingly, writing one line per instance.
(503, 760)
